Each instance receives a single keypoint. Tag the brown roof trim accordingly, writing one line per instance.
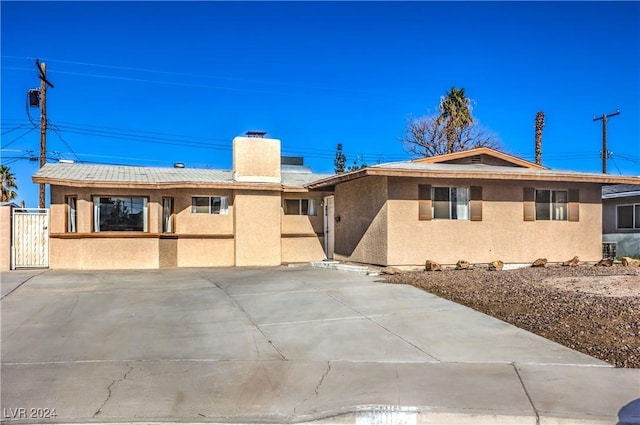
(479, 151)
(505, 175)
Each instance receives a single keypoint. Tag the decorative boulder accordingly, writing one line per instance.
(605, 262)
(630, 262)
(432, 266)
(540, 262)
(391, 270)
(463, 265)
(573, 262)
(496, 265)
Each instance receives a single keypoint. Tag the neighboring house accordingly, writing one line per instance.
(479, 205)
(110, 217)
(621, 219)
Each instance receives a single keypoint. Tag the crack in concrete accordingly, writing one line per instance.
(535, 411)
(74, 306)
(315, 390)
(109, 389)
(239, 306)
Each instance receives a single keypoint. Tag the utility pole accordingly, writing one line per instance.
(42, 68)
(605, 152)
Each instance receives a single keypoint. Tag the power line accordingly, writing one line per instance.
(13, 129)
(20, 137)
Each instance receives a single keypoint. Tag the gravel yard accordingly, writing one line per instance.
(595, 310)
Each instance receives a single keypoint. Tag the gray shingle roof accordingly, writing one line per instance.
(620, 188)
(153, 175)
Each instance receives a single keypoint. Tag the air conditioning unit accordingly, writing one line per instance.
(609, 250)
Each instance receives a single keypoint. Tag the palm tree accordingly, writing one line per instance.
(8, 184)
(539, 126)
(455, 113)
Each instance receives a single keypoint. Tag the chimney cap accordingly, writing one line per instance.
(256, 133)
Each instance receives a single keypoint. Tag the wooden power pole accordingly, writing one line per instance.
(42, 68)
(605, 152)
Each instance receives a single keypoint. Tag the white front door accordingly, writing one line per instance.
(329, 226)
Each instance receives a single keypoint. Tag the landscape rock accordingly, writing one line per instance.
(605, 262)
(540, 262)
(463, 265)
(390, 270)
(432, 266)
(496, 265)
(573, 262)
(630, 262)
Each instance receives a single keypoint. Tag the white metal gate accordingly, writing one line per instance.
(30, 238)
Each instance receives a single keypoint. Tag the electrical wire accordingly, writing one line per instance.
(19, 137)
(13, 129)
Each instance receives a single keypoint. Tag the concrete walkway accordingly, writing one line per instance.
(281, 345)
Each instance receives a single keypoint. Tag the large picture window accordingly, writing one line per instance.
(210, 205)
(450, 203)
(119, 214)
(628, 216)
(300, 207)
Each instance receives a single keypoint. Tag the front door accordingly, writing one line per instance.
(329, 226)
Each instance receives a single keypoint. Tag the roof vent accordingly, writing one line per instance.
(178, 165)
(476, 159)
(257, 134)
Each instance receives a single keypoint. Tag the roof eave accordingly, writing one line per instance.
(481, 175)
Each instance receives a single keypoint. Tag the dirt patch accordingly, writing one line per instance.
(594, 310)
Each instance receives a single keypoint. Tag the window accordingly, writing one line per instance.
(167, 215)
(210, 205)
(300, 207)
(450, 203)
(628, 216)
(555, 205)
(72, 214)
(119, 214)
(551, 205)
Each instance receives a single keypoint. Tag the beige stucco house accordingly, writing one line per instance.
(258, 214)
(478, 205)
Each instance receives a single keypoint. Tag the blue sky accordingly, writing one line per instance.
(153, 83)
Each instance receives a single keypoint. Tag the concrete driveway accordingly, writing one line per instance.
(286, 344)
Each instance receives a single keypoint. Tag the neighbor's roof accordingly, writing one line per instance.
(479, 151)
(83, 175)
(620, 191)
(472, 171)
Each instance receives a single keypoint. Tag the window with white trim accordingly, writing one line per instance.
(210, 205)
(450, 203)
(300, 207)
(119, 214)
(628, 216)
(551, 205)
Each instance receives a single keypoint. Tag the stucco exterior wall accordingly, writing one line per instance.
(103, 253)
(361, 227)
(502, 234)
(257, 228)
(5, 237)
(205, 252)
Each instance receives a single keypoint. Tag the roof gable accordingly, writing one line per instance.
(480, 155)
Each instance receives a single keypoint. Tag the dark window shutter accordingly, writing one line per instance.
(424, 202)
(475, 204)
(574, 205)
(529, 204)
